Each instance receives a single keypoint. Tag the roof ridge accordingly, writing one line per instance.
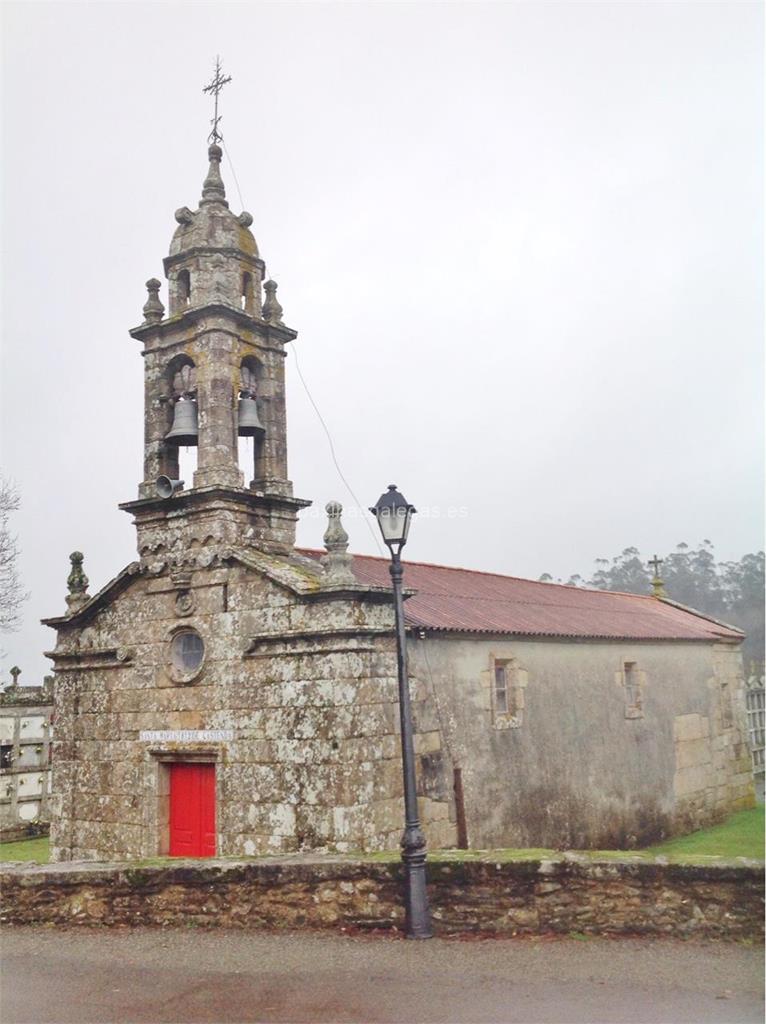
(496, 599)
(496, 575)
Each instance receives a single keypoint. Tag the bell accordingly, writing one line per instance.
(249, 424)
(184, 430)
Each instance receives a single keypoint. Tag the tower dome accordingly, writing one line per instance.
(213, 254)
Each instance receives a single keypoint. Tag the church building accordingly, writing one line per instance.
(229, 694)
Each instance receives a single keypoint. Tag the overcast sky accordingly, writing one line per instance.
(522, 244)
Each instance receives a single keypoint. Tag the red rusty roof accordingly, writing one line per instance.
(461, 600)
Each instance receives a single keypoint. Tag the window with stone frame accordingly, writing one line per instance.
(186, 655)
(508, 682)
(727, 709)
(501, 687)
(187, 651)
(632, 682)
(6, 755)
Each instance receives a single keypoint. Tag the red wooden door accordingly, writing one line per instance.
(192, 810)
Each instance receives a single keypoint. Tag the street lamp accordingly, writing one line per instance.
(394, 514)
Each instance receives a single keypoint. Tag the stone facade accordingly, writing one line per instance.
(303, 678)
(223, 645)
(25, 746)
(475, 897)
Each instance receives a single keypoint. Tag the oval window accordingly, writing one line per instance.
(188, 650)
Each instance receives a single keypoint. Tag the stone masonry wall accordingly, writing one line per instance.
(713, 770)
(578, 761)
(501, 899)
(307, 691)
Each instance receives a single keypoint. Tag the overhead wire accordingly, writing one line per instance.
(233, 173)
(306, 388)
(346, 484)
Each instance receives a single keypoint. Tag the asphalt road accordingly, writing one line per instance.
(189, 975)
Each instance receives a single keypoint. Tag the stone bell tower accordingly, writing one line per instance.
(214, 372)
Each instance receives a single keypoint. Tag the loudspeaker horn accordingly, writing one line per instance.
(166, 487)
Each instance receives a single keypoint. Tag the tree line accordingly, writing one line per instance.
(730, 591)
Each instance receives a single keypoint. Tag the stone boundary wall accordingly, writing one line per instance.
(14, 833)
(565, 895)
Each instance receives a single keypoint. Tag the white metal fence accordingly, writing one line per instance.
(755, 721)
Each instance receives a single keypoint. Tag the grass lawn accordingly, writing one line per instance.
(741, 836)
(26, 849)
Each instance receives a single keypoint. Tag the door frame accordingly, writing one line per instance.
(162, 760)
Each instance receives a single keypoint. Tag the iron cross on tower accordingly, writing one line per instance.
(218, 82)
(655, 564)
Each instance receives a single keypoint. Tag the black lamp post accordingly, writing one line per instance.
(394, 515)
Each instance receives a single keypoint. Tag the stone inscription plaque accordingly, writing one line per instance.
(185, 735)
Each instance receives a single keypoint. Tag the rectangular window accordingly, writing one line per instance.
(501, 690)
(727, 712)
(631, 684)
(633, 708)
(6, 755)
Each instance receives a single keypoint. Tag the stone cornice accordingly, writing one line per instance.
(421, 633)
(91, 658)
(17, 699)
(190, 316)
(213, 250)
(352, 633)
(188, 501)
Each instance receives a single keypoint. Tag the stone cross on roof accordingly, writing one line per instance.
(658, 587)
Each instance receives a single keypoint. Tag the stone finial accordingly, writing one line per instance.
(212, 187)
(184, 215)
(658, 585)
(245, 219)
(272, 311)
(337, 562)
(77, 582)
(153, 308)
(15, 673)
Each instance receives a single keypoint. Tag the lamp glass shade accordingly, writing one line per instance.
(394, 514)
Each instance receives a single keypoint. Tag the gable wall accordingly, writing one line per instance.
(314, 757)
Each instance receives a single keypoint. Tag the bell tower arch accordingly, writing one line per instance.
(214, 372)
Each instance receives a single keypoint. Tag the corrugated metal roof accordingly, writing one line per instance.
(462, 600)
